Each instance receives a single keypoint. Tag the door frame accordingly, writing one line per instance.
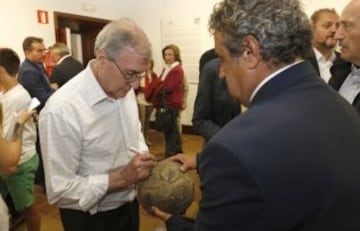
(87, 27)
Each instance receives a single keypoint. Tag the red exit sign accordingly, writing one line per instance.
(42, 16)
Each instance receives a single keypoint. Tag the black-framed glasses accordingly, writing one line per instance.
(130, 77)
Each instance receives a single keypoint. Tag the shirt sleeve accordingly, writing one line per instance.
(61, 147)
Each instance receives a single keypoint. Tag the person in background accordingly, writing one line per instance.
(145, 107)
(32, 73)
(93, 149)
(171, 84)
(184, 103)
(284, 164)
(214, 106)
(20, 184)
(345, 76)
(33, 77)
(324, 24)
(205, 57)
(66, 66)
(10, 153)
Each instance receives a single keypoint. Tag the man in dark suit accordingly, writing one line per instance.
(324, 24)
(205, 57)
(34, 79)
(66, 66)
(291, 161)
(214, 106)
(346, 75)
(32, 73)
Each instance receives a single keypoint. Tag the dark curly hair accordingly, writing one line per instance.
(281, 27)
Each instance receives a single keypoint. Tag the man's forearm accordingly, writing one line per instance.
(11, 159)
(17, 133)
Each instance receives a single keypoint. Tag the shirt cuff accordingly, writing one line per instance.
(98, 186)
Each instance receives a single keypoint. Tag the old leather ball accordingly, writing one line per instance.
(167, 188)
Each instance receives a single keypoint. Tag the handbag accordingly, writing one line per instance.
(163, 115)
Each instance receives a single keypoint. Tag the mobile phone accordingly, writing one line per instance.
(34, 103)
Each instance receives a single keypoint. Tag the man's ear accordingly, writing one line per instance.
(101, 55)
(251, 51)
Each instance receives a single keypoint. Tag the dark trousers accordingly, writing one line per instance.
(172, 135)
(40, 176)
(125, 217)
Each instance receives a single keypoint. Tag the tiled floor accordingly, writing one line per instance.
(50, 214)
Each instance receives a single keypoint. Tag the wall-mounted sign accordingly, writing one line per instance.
(42, 17)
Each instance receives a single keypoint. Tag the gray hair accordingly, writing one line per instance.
(60, 49)
(121, 34)
(281, 27)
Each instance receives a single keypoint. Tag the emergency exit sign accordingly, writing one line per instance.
(42, 16)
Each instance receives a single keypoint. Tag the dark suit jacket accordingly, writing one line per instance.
(34, 79)
(339, 72)
(205, 57)
(214, 106)
(64, 71)
(290, 162)
(313, 61)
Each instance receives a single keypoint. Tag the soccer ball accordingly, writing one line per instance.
(167, 188)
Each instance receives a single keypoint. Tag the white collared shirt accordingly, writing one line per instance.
(324, 64)
(351, 86)
(272, 75)
(167, 69)
(84, 134)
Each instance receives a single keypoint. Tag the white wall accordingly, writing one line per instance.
(18, 19)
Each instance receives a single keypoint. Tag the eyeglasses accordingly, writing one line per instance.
(130, 77)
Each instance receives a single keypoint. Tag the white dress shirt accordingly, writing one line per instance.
(324, 64)
(351, 86)
(83, 135)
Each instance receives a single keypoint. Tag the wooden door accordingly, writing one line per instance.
(87, 27)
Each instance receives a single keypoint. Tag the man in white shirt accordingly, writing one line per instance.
(88, 129)
(324, 24)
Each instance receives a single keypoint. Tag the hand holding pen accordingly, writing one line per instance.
(138, 168)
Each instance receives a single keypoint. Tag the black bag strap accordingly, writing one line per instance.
(163, 97)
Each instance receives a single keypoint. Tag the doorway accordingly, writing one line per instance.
(79, 33)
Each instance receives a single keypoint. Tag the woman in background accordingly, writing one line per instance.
(170, 83)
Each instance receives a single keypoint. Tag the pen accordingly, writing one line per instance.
(135, 151)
